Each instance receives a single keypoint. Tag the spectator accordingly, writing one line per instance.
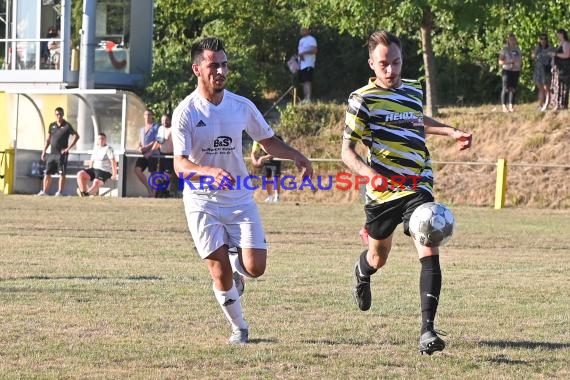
(54, 49)
(307, 52)
(561, 71)
(149, 160)
(542, 75)
(164, 145)
(58, 138)
(271, 170)
(510, 60)
(102, 167)
(45, 53)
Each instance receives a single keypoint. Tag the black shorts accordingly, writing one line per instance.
(272, 169)
(166, 165)
(56, 163)
(510, 79)
(382, 219)
(149, 163)
(101, 175)
(306, 75)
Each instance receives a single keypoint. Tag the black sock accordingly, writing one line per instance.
(430, 287)
(365, 268)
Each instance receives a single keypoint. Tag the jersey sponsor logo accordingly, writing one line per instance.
(200, 124)
(406, 116)
(222, 141)
(221, 145)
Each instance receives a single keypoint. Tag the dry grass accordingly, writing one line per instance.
(112, 288)
(524, 137)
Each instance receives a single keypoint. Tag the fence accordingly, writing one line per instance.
(535, 184)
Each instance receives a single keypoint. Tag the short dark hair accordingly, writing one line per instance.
(382, 37)
(60, 110)
(209, 43)
(102, 134)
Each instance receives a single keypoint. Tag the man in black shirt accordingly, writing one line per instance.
(58, 137)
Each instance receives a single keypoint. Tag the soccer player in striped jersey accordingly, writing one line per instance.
(387, 116)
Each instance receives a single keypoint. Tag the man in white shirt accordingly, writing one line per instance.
(164, 144)
(307, 52)
(207, 131)
(103, 166)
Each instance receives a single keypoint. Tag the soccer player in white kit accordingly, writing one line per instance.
(221, 212)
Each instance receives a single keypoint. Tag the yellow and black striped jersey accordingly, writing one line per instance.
(389, 122)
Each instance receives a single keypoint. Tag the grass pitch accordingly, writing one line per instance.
(112, 288)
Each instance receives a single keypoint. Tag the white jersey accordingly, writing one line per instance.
(211, 135)
(101, 158)
(306, 43)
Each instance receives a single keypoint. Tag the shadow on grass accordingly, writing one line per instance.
(503, 359)
(526, 344)
(262, 340)
(87, 278)
(328, 342)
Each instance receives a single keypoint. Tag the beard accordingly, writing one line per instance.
(391, 82)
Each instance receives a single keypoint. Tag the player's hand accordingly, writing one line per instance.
(303, 164)
(43, 156)
(221, 179)
(463, 139)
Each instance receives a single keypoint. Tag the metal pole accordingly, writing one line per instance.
(87, 59)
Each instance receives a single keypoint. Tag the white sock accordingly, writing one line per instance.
(231, 306)
(236, 265)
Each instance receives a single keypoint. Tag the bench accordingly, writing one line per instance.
(73, 167)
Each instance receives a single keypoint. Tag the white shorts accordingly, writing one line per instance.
(212, 226)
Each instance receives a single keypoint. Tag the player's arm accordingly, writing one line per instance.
(114, 169)
(48, 139)
(73, 142)
(190, 171)
(277, 148)
(434, 127)
(255, 160)
(354, 161)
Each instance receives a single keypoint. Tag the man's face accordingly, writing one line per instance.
(101, 140)
(386, 62)
(212, 70)
(59, 116)
(148, 117)
(165, 120)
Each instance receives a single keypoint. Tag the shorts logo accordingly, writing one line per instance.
(222, 141)
(200, 124)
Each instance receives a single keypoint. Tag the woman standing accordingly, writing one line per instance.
(510, 60)
(561, 71)
(542, 75)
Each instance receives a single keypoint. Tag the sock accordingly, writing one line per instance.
(363, 267)
(231, 306)
(430, 287)
(236, 265)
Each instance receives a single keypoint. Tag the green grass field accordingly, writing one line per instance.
(109, 288)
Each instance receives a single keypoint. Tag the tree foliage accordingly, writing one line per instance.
(466, 37)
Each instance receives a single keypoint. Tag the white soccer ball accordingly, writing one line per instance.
(432, 224)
